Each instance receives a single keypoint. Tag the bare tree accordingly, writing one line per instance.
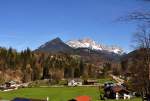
(140, 15)
(142, 37)
(140, 67)
(143, 16)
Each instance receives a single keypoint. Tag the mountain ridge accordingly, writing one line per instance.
(91, 44)
(57, 45)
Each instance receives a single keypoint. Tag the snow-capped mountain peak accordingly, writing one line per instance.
(91, 44)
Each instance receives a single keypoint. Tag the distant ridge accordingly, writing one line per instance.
(57, 45)
(91, 44)
(88, 53)
(54, 46)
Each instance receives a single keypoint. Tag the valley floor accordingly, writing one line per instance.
(55, 94)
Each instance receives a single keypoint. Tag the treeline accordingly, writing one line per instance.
(26, 66)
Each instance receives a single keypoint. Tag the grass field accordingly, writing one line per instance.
(107, 79)
(55, 94)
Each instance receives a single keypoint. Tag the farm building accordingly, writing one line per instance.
(90, 82)
(8, 86)
(113, 91)
(75, 82)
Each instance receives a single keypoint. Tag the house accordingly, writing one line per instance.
(90, 82)
(113, 91)
(7, 86)
(75, 82)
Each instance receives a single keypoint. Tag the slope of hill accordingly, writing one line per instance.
(27, 65)
(54, 46)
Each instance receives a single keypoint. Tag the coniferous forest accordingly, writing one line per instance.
(26, 66)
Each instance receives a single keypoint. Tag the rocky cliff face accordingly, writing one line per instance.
(91, 44)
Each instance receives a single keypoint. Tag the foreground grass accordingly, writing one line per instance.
(55, 94)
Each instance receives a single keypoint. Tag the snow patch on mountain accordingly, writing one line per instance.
(91, 44)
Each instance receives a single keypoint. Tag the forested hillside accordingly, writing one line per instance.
(26, 66)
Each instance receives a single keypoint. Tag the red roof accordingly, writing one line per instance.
(83, 98)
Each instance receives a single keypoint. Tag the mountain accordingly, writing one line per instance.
(131, 60)
(87, 49)
(88, 43)
(57, 45)
(54, 46)
(134, 54)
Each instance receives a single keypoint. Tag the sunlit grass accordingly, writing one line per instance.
(55, 94)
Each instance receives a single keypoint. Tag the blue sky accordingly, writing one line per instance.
(30, 23)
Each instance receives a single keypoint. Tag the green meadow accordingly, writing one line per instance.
(55, 94)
